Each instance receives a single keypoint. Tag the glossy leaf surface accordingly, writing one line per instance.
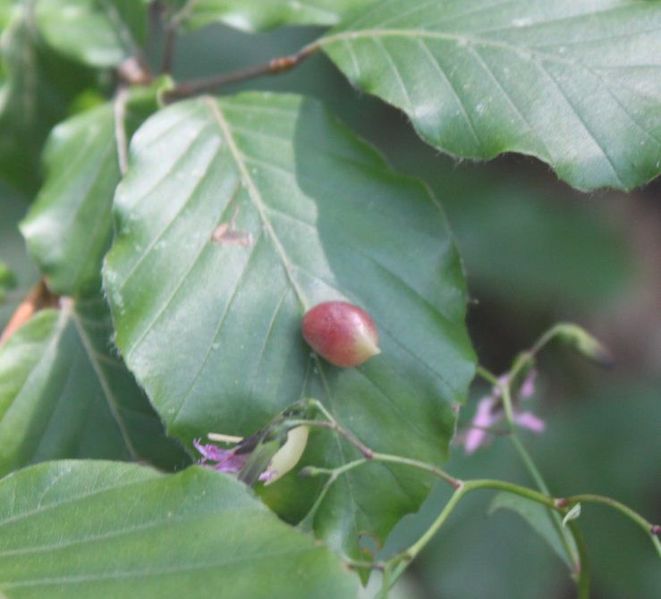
(235, 217)
(102, 529)
(64, 394)
(577, 84)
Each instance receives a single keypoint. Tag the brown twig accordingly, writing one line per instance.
(274, 66)
(169, 43)
(37, 298)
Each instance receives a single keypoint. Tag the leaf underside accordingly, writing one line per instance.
(103, 529)
(235, 217)
(576, 84)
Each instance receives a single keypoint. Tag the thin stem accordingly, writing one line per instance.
(307, 523)
(379, 458)
(365, 451)
(527, 460)
(274, 66)
(400, 561)
(529, 464)
(437, 472)
(316, 404)
(536, 475)
(369, 455)
(169, 43)
(38, 297)
(582, 567)
(501, 485)
(363, 565)
(403, 559)
(171, 29)
(544, 340)
(487, 375)
(121, 141)
(386, 583)
(507, 403)
(625, 510)
(524, 359)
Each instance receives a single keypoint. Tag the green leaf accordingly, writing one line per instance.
(539, 519)
(63, 393)
(102, 529)
(308, 213)
(7, 280)
(98, 33)
(37, 88)
(577, 84)
(590, 265)
(69, 228)
(255, 15)
(13, 252)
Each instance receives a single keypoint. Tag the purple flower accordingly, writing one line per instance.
(223, 460)
(490, 412)
(234, 459)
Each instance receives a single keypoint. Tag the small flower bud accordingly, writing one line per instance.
(342, 333)
(585, 343)
(289, 454)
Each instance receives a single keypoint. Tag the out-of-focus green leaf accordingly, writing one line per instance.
(6, 8)
(528, 247)
(64, 394)
(79, 530)
(13, 253)
(537, 516)
(7, 280)
(254, 15)
(36, 90)
(576, 84)
(302, 212)
(98, 33)
(69, 228)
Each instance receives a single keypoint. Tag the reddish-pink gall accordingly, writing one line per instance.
(342, 333)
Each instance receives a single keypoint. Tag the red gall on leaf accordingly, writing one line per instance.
(342, 333)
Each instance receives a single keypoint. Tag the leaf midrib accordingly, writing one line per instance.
(255, 196)
(525, 52)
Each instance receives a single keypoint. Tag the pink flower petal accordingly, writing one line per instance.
(529, 421)
(222, 460)
(528, 387)
(484, 418)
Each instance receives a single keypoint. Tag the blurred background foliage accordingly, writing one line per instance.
(535, 252)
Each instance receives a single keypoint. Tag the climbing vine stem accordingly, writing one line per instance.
(397, 564)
